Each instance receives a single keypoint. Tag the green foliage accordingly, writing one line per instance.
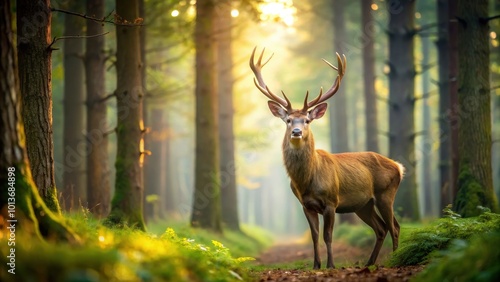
(424, 243)
(471, 194)
(250, 242)
(123, 255)
(476, 260)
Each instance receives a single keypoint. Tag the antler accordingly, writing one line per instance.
(335, 87)
(261, 85)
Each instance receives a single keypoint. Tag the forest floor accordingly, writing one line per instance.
(293, 262)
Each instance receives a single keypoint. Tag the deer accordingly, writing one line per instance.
(325, 183)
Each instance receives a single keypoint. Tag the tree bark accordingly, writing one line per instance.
(443, 46)
(453, 76)
(475, 181)
(127, 203)
(75, 150)
(206, 211)
(226, 112)
(35, 70)
(98, 172)
(20, 203)
(402, 73)
(369, 77)
(339, 127)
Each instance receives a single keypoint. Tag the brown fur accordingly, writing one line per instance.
(328, 183)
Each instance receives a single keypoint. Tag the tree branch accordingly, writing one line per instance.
(117, 21)
(55, 39)
(426, 95)
(485, 20)
(107, 97)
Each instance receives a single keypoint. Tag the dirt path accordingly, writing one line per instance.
(343, 255)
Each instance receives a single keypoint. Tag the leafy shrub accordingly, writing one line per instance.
(423, 244)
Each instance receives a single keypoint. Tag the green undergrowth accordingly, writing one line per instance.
(362, 236)
(426, 243)
(474, 260)
(130, 255)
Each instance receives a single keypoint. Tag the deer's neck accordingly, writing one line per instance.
(300, 162)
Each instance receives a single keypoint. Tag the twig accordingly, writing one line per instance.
(137, 22)
(485, 20)
(107, 97)
(426, 95)
(109, 132)
(55, 39)
(494, 88)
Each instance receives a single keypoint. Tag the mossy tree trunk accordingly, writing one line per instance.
(98, 173)
(35, 70)
(206, 212)
(127, 203)
(229, 197)
(475, 181)
(74, 148)
(401, 32)
(443, 46)
(369, 77)
(19, 196)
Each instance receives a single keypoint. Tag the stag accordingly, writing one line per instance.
(326, 183)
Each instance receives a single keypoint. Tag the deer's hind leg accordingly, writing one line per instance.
(384, 205)
(369, 216)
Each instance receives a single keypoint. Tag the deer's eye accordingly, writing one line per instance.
(288, 121)
(308, 121)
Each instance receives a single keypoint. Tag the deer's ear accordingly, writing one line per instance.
(318, 111)
(277, 110)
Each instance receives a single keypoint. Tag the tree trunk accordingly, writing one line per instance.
(75, 150)
(127, 203)
(226, 112)
(453, 76)
(98, 172)
(369, 78)
(155, 171)
(206, 211)
(401, 99)
(339, 141)
(426, 137)
(35, 70)
(443, 46)
(475, 181)
(20, 203)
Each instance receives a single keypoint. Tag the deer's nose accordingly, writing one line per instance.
(296, 132)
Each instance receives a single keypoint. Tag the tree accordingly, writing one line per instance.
(34, 55)
(206, 212)
(19, 200)
(337, 113)
(369, 78)
(127, 203)
(402, 73)
(453, 95)
(74, 115)
(475, 180)
(443, 46)
(98, 182)
(226, 112)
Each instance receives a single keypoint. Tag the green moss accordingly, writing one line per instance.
(476, 260)
(126, 255)
(471, 195)
(424, 243)
(51, 201)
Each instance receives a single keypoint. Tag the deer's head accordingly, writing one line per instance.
(297, 121)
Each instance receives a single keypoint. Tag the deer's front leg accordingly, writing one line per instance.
(312, 218)
(329, 219)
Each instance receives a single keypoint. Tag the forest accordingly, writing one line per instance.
(163, 140)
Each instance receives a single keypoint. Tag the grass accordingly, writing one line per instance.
(168, 252)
